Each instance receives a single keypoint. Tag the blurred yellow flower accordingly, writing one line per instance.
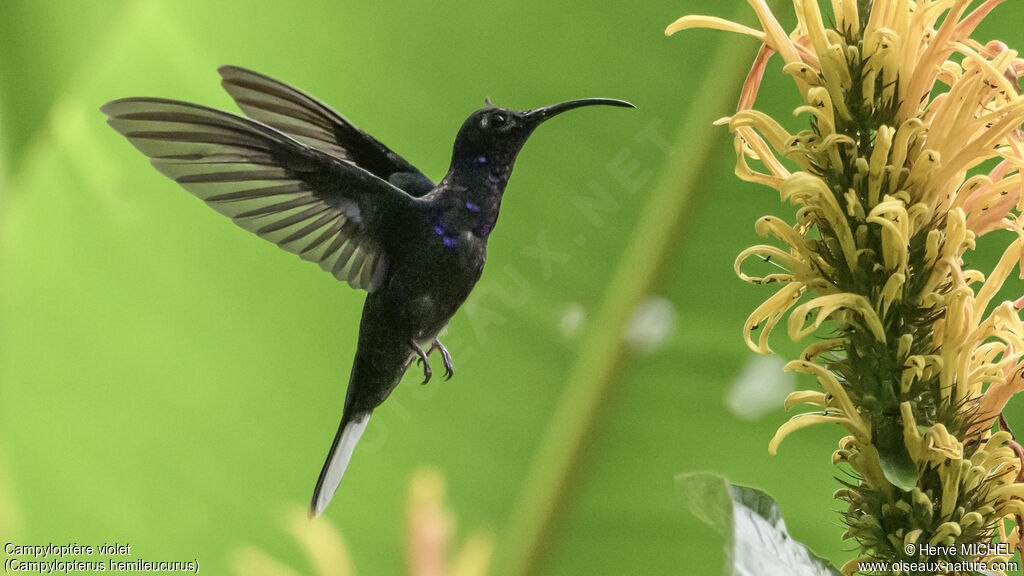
(429, 526)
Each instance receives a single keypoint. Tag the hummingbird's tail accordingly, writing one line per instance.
(349, 432)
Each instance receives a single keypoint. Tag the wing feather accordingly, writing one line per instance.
(303, 200)
(317, 125)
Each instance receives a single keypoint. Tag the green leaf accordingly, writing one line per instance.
(894, 459)
(751, 521)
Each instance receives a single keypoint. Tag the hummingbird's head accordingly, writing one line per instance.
(492, 136)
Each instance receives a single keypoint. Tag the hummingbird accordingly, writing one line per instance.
(300, 175)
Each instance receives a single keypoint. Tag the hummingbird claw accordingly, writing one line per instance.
(446, 356)
(422, 358)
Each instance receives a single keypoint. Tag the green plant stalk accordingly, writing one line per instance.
(536, 513)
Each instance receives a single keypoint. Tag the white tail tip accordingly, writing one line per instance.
(337, 464)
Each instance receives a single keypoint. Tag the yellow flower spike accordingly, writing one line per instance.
(805, 397)
(892, 216)
(714, 23)
(933, 365)
(892, 291)
(886, 214)
(920, 175)
(951, 472)
(996, 397)
(1011, 508)
(763, 153)
(743, 151)
(972, 277)
(971, 192)
(846, 14)
(997, 440)
(879, 160)
(909, 376)
(474, 558)
(831, 144)
(949, 73)
(906, 134)
(991, 207)
(800, 421)
(795, 267)
(941, 444)
(903, 345)
(920, 215)
(832, 58)
(878, 20)
(956, 233)
(854, 209)
(819, 105)
(1004, 324)
(1010, 491)
(972, 519)
(977, 151)
(803, 74)
(1004, 473)
(999, 275)
(944, 532)
(848, 443)
(826, 307)
(845, 494)
(428, 525)
(772, 131)
(1003, 123)
(911, 435)
(771, 226)
(994, 70)
(840, 456)
(323, 545)
(912, 537)
(821, 347)
(810, 190)
(767, 315)
(809, 19)
(867, 89)
(916, 85)
(956, 113)
(777, 37)
(934, 446)
(832, 386)
(931, 251)
(952, 333)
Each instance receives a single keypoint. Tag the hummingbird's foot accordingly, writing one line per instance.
(449, 370)
(422, 359)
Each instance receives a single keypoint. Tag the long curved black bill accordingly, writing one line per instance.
(535, 117)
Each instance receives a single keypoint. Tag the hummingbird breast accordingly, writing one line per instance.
(434, 276)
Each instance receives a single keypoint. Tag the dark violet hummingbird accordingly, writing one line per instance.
(306, 179)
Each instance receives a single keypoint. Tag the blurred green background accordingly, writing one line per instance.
(171, 381)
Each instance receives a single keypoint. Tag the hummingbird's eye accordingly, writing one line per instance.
(498, 120)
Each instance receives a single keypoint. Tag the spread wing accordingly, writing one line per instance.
(315, 124)
(307, 202)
